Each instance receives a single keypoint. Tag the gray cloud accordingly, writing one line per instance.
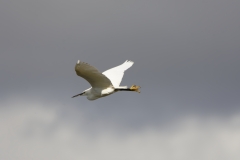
(33, 131)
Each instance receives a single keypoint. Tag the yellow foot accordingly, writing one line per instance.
(135, 88)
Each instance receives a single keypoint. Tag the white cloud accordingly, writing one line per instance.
(35, 131)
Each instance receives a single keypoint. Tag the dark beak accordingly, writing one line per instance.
(78, 95)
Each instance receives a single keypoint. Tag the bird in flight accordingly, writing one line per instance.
(103, 84)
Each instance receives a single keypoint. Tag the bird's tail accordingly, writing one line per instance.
(121, 87)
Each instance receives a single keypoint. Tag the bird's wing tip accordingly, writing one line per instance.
(129, 61)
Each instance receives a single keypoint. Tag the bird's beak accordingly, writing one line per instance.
(78, 95)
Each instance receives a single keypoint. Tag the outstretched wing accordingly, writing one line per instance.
(116, 74)
(92, 75)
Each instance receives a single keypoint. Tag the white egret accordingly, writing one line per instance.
(103, 84)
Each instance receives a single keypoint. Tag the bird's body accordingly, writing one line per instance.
(95, 93)
(103, 84)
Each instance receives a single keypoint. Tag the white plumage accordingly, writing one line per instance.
(103, 84)
(116, 74)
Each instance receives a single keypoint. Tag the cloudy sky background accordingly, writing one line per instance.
(186, 56)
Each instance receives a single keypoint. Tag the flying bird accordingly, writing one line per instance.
(103, 84)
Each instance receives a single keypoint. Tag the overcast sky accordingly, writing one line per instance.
(187, 61)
